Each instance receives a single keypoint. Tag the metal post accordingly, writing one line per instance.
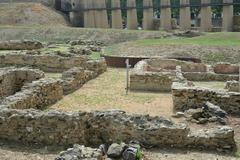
(127, 75)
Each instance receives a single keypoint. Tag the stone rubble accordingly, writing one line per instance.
(186, 97)
(20, 45)
(208, 113)
(233, 86)
(114, 152)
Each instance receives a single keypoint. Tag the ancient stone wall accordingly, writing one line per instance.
(159, 74)
(75, 77)
(38, 94)
(185, 97)
(152, 81)
(45, 62)
(226, 68)
(12, 79)
(95, 128)
(20, 45)
(233, 86)
(209, 76)
(172, 63)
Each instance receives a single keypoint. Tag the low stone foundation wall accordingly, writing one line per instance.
(44, 92)
(20, 45)
(233, 86)
(45, 62)
(12, 79)
(226, 68)
(209, 76)
(185, 97)
(151, 81)
(95, 128)
(38, 94)
(171, 64)
(159, 74)
(74, 78)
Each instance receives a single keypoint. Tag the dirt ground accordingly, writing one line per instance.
(108, 92)
(208, 54)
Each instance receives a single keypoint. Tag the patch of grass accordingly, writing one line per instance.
(61, 34)
(237, 153)
(209, 39)
(95, 55)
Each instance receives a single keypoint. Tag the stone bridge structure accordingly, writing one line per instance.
(93, 14)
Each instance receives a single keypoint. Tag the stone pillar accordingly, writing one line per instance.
(101, 18)
(148, 14)
(132, 15)
(206, 16)
(185, 15)
(166, 17)
(227, 19)
(116, 15)
(89, 21)
(77, 17)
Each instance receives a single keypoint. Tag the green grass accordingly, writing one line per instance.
(95, 55)
(209, 39)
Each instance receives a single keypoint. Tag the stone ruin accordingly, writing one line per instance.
(20, 45)
(173, 75)
(23, 119)
(233, 86)
(159, 74)
(26, 94)
(150, 75)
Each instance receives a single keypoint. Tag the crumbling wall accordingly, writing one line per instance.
(45, 62)
(171, 64)
(20, 45)
(151, 81)
(209, 76)
(38, 94)
(185, 97)
(95, 128)
(12, 79)
(233, 86)
(75, 77)
(159, 74)
(226, 68)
